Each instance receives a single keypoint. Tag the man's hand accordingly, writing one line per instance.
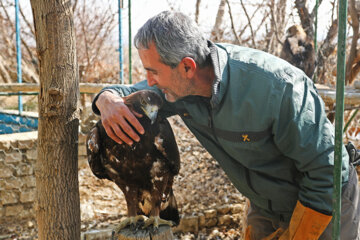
(116, 118)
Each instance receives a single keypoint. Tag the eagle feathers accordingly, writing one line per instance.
(144, 171)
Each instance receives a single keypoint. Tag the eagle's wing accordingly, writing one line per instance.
(165, 142)
(93, 144)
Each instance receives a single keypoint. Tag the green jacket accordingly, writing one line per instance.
(266, 126)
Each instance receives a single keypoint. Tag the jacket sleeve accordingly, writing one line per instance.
(303, 133)
(124, 90)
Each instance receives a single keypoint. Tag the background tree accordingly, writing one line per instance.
(353, 62)
(58, 202)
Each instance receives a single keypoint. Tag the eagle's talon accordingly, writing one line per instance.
(130, 221)
(156, 221)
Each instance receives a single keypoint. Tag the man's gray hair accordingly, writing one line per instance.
(175, 36)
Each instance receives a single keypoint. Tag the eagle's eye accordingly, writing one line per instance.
(142, 101)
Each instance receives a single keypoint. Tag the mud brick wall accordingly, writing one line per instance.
(18, 156)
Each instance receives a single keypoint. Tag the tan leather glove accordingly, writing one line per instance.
(305, 224)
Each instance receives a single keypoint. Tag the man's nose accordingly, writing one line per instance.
(151, 81)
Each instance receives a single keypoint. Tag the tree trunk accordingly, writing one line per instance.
(350, 76)
(217, 32)
(307, 21)
(58, 203)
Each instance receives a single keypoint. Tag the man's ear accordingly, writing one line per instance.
(188, 67)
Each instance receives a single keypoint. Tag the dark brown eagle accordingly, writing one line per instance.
(144, 171)
(298, 49)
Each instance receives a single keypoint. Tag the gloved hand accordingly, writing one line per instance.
(305, 224)
(354, 155)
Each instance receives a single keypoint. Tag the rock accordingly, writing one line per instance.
(24, 170)
(6, 172)
(8, 197)
(202, 220)
(13, 157)
(237, 208)
(211, 222)
(28, 196)
(224, 209)
(225, 220)
(188, 224)
(13, 210)
(31, 154)
(211, 213)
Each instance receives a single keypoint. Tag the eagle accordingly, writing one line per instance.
(144, 171)
(298, 49)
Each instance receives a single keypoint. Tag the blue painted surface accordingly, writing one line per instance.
(10, 123)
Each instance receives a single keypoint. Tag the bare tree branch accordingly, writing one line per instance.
(252, 16)
(197, 10)
(249, 22)
(232, 24)
(216, 33)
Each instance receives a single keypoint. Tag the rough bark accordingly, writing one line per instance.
(307, 21)
(325, 50)
(352, 65)
(58, 203)
(217, 32)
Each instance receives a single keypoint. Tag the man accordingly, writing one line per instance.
(258, 116)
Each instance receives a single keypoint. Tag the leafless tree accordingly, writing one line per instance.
(58, 201)
(7, 46)
(94, 27)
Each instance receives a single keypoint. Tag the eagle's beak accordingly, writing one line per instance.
(151, 111)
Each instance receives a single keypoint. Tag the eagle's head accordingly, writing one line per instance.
(146, 102)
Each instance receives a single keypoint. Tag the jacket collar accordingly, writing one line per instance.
(219, 58)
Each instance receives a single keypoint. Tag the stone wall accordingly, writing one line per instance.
(17, 180)
(18, 156)
(226, 215)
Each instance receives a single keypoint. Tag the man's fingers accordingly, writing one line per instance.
(111, 134)
(120, 134)
(128, 129)
(134, 122)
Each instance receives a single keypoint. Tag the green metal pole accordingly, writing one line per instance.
(130, 77)
(315, 36)
(339, 117)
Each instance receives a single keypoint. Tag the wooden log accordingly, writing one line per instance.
(162, 233)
